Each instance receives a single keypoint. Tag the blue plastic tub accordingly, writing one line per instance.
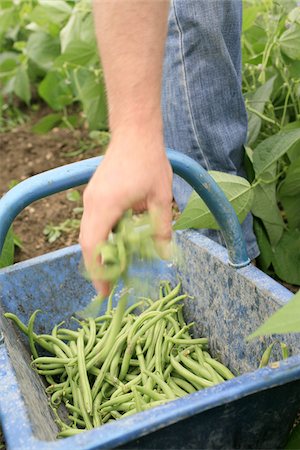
(255, 410)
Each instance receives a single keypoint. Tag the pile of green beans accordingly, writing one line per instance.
(152, 360)
(132, 237)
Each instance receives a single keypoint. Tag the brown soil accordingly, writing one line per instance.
(24, 154)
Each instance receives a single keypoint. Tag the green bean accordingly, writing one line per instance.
(109, 306)
(191, 341)
(24, 329)
(124, 407)
(185, 385)
(55, 386)
(69, 432)
(196, 381)
(107, 390)
(151, 349)
(117, 400)
(116, 414)
(47, 366)
(104, 318)
(54, 340)
(83, 378)
(220, 368)
(150, 393)
(50, 371)
(83, 410)
(158, 348)
(73, 409)
(92, 337)
(73, 348)
(196, 368)
(76, 421)
(97, 420)
(138, 400)
(174, 293)
(30, 333)
(59, 394)
(97, 383)
(181, 318)
(175, 300)
(199, 354)
(173, 322)
(162, 384)
(215, 377)
(149, 339)
(131, 344)
(169, 369)
(141, 362)
(176, 389)
(67, 335)
(133, 307)
(51, 359)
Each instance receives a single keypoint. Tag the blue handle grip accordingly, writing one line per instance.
(78, 173)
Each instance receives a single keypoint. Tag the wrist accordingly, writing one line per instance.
(138, 119)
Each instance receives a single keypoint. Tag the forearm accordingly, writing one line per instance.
(131, 37)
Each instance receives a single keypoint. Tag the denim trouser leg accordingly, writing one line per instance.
(203, 107)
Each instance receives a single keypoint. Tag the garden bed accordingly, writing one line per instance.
(25, 154)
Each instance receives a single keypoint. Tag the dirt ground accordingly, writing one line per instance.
(24, 154)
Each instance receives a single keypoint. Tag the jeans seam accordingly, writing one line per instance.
(184, 72)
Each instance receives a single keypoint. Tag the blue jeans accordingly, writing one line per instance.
(203, 108)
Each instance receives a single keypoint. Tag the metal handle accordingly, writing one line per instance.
(78, 173)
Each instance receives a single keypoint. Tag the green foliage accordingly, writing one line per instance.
(197, 215)
(285, 320)
(53, 232)
(271, 84)
(8, 251)
(49, 48)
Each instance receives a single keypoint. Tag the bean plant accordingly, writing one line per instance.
(48, 52)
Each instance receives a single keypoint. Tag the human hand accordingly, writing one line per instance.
(135, 174)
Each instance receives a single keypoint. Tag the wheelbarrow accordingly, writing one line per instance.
(232, 298)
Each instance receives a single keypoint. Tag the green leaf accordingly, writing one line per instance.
(47, 123)
(80, 27)
(9, 61)
(250, 16)
(74, 196)
(265, 257)
(78, 53)
(258, 102)
(286, 257)
(291, 184)
(7, 255)
(43, 49)
(294, 439)
(290, 41)
(292, 210)
(285, 320)
(22, 84)
(265, 207)
(8, 18)
(91, 93)
(294, 151)
(55, 91)
(197, 215)
(273, 148)
(289, 194)
(49, 11)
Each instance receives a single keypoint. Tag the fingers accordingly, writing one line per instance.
(96, 224)
(161, 217)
